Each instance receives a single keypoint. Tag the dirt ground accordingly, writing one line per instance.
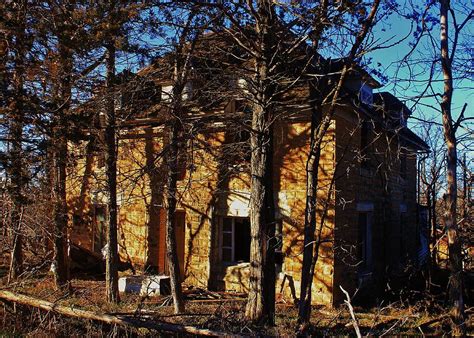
(217, 311)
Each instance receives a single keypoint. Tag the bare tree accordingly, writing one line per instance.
(15, 48)
(60, 139)
(118, 17)
(448, 61)
(182, 67)
(431, 184)
(450, 126)
(319, 127)
(259, 62)
(111, 265)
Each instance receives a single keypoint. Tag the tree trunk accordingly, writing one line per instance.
(454, 243)
(60, 137)
(171, 250)
(260, 306)
(111, 263)
(17, 170)
(434, 220)
(261, 299)
(16, 190)
(309, 252)
(16, 257)
(60, 215)
(319, 128)
(124, 321)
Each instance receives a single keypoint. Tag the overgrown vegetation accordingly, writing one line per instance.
(71, 73)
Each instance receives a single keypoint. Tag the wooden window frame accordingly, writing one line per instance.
(221, 240)
(366, 252)
(365, 143)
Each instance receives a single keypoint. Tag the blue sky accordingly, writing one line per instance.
(397, 28)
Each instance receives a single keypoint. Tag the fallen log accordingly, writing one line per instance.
(211, 301)
(70, 311)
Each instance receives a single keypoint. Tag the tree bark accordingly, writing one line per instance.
(60, 139)
(434, 221)
(311, 250)
(454, 243)
(60, 215)
(261, 299)
(16, 189)
(182, 69)
(111, 263)
(171, 250)
(74, 312)
(16, 171)
(260, 306)
(318, 131)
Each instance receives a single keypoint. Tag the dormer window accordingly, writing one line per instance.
(167, 92)
(187, 91)
(403, 118)
(239, 84)
(365, 94)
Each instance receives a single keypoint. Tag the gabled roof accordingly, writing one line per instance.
(391, 102)
(388, 107)
(357, 72)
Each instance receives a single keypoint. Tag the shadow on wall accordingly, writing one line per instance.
(219, 180)
(293, 154)
(155, 241)
(210, 183)
(212, 177)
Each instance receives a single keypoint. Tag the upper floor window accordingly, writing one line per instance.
(365, 94)
(403, 166)
(237, 144)
(365, 132)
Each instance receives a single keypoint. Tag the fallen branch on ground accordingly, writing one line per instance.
(103, 318)
(351, 311)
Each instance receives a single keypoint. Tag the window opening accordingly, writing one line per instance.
(235, 240)
(365, 143)
(365, 241)
(100, 219)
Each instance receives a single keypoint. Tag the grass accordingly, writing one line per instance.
(226, 315)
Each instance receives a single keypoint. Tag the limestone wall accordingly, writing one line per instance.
(379, 186)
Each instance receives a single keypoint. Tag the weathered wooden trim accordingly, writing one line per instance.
(70, 311)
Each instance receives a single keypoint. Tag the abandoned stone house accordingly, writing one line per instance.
(367, 196)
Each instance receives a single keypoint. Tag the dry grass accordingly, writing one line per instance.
(221, 312)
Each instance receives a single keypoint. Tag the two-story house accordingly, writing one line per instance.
(367, 210)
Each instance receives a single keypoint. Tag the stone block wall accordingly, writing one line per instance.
(140, 189)
(215, 185)
(379, 183)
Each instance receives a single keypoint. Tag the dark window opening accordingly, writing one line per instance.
(403, 247)
(181, 170)
(101, 159)
(237, 145)
(365, 241)
(403, 166)
(100, 227)
(365, 131)
(235, 244)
